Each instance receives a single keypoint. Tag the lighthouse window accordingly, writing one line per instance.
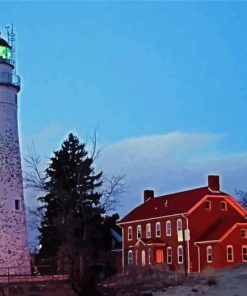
(4, 52)
(17, 205)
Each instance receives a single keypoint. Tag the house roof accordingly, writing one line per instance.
(171, 204)
(218, 229)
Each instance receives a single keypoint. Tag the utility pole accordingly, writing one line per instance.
(184, 255)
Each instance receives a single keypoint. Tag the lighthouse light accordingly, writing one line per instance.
(4, 52)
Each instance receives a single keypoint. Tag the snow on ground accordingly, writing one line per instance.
(231, 282)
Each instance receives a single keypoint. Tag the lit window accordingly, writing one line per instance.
(168, 228)
(179, 224)
(149, 256)
(129, 233)
(17, 204)
(143, 258)
(243, 233)
(208, 205)
(139, 232)
(148, 230)
(130, 257)
(223, 206)
(169, 255)
(244, 253)
(159, 256)
(209, 254)
(230, 254)
(158, 229)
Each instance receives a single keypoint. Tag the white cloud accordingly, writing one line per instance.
(172, 162)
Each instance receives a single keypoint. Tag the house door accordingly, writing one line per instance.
(143, 258)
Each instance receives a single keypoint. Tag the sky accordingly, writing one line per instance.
(165, 82)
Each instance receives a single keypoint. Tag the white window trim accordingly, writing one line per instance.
(130, 261)
(138, 227)
(241, 233)
(244, 247)
(156, 229)
(170, 233)
(210, 205)
(182, 252)
(229, 246)
(179, 220)
(209, 254)
(167, 252)
(148, 226)
(130, 231)
(225, 203)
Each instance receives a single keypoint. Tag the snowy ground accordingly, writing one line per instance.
(229, 282)
(232, 282)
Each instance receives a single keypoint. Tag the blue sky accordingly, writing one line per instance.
(150, 74)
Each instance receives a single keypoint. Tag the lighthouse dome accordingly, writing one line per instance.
(4, 43)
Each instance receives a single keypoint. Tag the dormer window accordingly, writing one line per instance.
(148, 230)
(208, 205)
(139, 232)
(223, 206)
(243, 233)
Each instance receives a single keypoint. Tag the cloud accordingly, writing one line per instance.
(172, 162)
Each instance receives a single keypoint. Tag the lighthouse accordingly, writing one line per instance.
(14, 253)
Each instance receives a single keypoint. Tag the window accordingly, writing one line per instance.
(158, 229)
(159, 256)
(130, 257)
(179, 224)
(223, 206)
(229, 254)
(129, 233)
(168, 228)
(139, 232)
(17, 205)
(244, 253)
(243, 233)
(208, 205)
(180, 254)
(169, 255)
(148, 230)
(209, 254)
(149, 256)
(143, 258)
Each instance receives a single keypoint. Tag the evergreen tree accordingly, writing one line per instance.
(71, 208)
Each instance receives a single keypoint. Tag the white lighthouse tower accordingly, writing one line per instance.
(14, 253)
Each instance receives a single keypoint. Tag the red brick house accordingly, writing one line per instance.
(189, 230)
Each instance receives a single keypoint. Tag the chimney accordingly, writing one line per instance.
(148, 194)
(214, 182)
